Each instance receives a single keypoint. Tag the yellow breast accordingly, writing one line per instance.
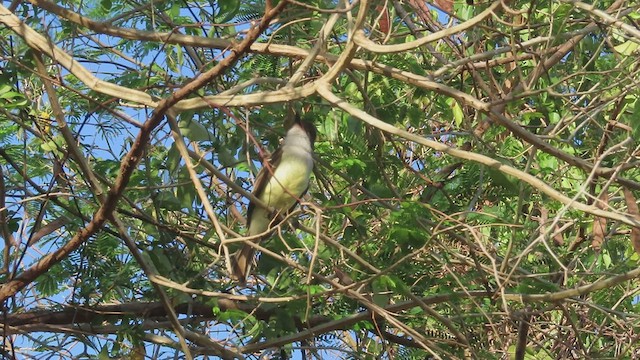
(290, 180)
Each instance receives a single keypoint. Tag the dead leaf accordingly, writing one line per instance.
(632, 208)
(600, 223)
(558, 239)
(446, 5)
(385, 20)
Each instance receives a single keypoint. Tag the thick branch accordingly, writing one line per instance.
(131, 160)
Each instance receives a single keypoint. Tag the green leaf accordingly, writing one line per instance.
(167, 200)
(193, 130)
(106, 5)
(104, 353)
(458, 115)
(635, 120)
(9, 95)
(627, 48)
(227, 10)
(606, 259)
(226, 158)
(507, 182)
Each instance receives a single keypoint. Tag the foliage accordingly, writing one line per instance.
(481, 205)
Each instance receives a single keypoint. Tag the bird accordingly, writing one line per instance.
(279, 185)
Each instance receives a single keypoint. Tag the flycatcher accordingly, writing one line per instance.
(280, 185)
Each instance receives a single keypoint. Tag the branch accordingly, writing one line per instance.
(481, 159)
(130, 161)
(607, 19)
(367, 44)
(41, 320)
(40, 43)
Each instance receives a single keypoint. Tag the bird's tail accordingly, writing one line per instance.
(241, 263)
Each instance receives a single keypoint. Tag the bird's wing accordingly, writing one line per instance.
(263, 179)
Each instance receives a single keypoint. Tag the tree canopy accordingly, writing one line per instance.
(474, 193)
